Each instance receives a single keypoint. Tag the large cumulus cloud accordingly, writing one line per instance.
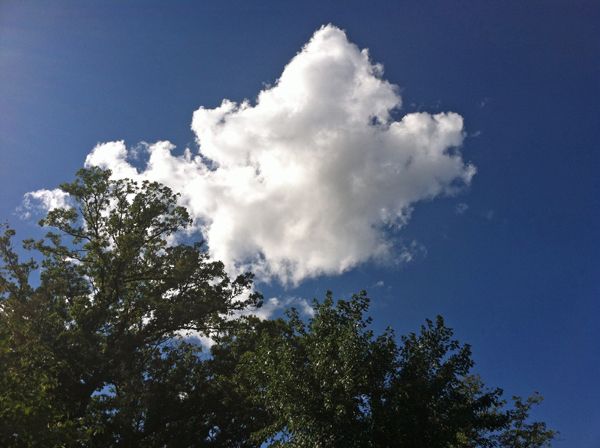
(302, 181)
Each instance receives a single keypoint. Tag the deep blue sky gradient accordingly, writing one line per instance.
(517, 274)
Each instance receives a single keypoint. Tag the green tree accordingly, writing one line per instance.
(332, 383)
(520, 433)
(90, 354)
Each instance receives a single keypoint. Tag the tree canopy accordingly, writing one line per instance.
(332, 382)
(97, 348)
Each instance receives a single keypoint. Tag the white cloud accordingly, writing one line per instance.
(42, 200)
(271, 307)
(305, 180)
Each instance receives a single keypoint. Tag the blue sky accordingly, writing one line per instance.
(510, 260)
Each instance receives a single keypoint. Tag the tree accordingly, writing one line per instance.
(333, 383)
(90, 355)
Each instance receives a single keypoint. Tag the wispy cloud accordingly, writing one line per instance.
(461, 208)
(303, 180)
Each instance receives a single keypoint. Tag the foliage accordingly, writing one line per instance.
(92, 353)
(332, 383)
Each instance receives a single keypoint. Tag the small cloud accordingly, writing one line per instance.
(461, 208)
(379, 284)
(268, 308)
(484, 102)
(275, 305)
(411, 252)
(195, 337)
(41, 201)
(489, 215)
(306, 308)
